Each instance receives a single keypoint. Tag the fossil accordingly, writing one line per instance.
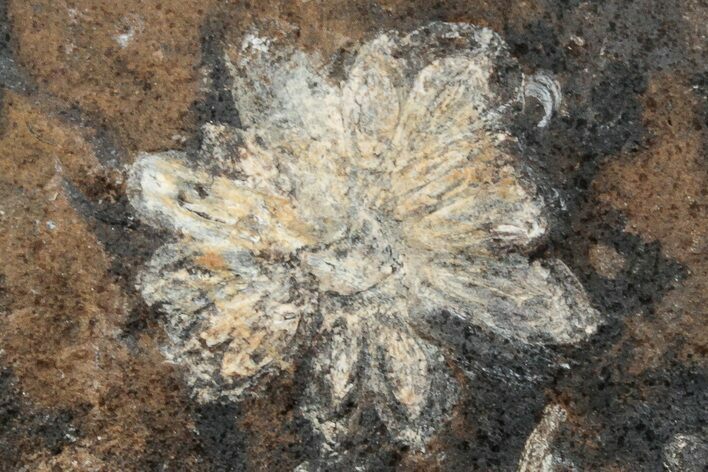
(343, 210)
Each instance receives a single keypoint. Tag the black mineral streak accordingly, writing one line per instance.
(25, 429)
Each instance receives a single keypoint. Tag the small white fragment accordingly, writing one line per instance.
(73, 14)
(304, 467)
(51, 225)
(129, 26)
(124, 39)
(577, 40)
(251, 41)
(545, 88)
(537, 455)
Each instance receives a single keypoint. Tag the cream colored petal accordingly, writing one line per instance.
(288, 97)
(529, 302)
(226, 313)
(168, 193)
(538, 455)
(413, 386)
(446, 110)
(453, 185)
(463, 82)
(337, 361)
(259, 340)
(685, 453)
(406, 360)
(258, 320)
(368, 355)
(313, 180)
(261, 334)
(372, 101)
(333, 377)
(477, 208)
(296, 133)
(183, 287)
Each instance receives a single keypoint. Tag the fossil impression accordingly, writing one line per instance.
(346, 207)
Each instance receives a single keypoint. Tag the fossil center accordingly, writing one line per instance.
(358, 261)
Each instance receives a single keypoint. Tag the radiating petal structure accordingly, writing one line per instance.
(343, 210)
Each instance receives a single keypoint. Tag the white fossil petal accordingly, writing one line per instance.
(445, 106)
(228, 315)
(369, 349)
(289, 98)
(452, 185)
(294, 113)
(334, 372)
(686, 453)
(168, 193)
(315, 179)
(339, 358)
(441, 132)
(405, 362)
(528, 302)
(412, 376)
(480, 207)
(372, 99)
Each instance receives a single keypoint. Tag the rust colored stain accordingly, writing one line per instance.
(133, 63)
(37, 148)
(663, 193)
(64, 312)
(663, 190)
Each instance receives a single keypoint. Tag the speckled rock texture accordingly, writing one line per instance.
(314, 235)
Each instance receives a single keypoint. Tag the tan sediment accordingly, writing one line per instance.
(606, 260)
(663, 193)
(133, 64)
(63, 313)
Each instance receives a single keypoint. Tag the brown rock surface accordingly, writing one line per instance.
(134, 64)
(63, 312)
